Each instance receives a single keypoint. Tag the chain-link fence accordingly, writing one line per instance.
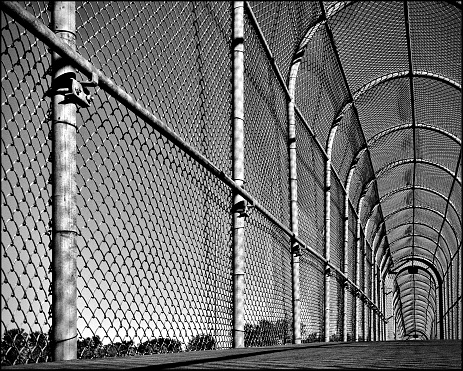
(26, 192)
(154, 249)
(154, 225)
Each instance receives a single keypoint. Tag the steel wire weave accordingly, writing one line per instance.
(266, 157)
(268, 308)
(26, 191)
(312, 273)
(320, 90)
(284, 25)
(155, 269)
(310, 172)
(155, 249)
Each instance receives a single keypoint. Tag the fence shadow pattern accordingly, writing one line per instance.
(154, 241)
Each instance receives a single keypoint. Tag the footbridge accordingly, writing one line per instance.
(231, 184)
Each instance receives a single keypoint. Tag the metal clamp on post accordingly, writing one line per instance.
(242, 208)
(295, 247)
(345, 283)
(74, 91)
(328, 272)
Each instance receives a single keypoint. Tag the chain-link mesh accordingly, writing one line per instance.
(347, 144)
(266, 158)
(155, 247)
(370, 42)
(26, 191)
(154, 227)
(174, 58)
(320, 90)
(312, 273)
(310, 171)
(268, 308)
(430, 33)
(284, 26)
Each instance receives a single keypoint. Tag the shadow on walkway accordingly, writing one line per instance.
(436, 354)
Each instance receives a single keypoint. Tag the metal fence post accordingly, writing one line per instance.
(373, 295)
(293, 206)
(346, 251)
(238, 173)
(378, 301)
(64, 296)
(357, 270)
(328, 230)
(366, 320)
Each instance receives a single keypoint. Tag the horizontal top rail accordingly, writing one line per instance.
(48, 37)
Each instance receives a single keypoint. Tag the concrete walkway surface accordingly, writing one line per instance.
(435, 354)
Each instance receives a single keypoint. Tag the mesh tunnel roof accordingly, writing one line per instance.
(388, 76)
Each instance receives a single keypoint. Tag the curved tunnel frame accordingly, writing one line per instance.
(401, 74)
(403, 265)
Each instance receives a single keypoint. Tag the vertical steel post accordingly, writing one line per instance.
(293, 206)
(357, 281)
(346, 251)
(452, 302)
(372, 297)
(459, 307)
(366, 310)
(64, 296)
(328, 230)
(383, 310)
(447, 311)
(357, 270)
(377, 312)
(238, 173)
(378, 301)
(346, 273)
(441, 309)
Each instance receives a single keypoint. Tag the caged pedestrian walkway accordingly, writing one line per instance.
(276, 182)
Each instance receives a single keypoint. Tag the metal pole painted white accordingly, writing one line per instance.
(377, 314)
(372, 295)
(380, 307)
(460, 307)
(357, 271)
(346, 251)
(366, 310)
(238, 173)
(328, 231)
(64, 190)
(452, 297)
(383, 309)
(293, 204)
